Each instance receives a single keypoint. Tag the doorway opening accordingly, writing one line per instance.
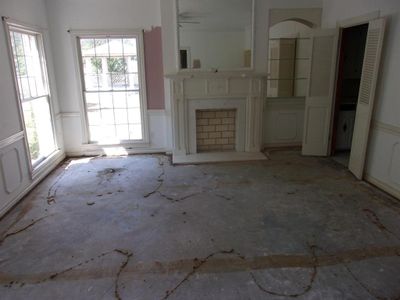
(351, 59)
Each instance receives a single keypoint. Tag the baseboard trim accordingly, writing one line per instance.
(281, 145)
(116, 152)
(383, 186)
(40, 176)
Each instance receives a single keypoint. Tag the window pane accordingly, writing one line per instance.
(123, 132)
(95, 133)
(116, 47)
(120, 100)
(38, 127)
(119, 81)
(106, 100)
(132, 64)
(107, 116)
(134, 116)
(94, 117)
(121, 116)
(133, 100)
(87, 47)
(135, 132)
(133, 81)
(92, 100)
(130, 47)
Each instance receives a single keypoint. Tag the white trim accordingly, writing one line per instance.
(387, 128)
(383, 186)
(11, 139)
(79, 82)
(116, 33)
(359, 20)
(40, 176)
(157, 112)
(70, 115)
(201, 158)
(23, 26)
(116, 150)
(282, 145)
(40, 168)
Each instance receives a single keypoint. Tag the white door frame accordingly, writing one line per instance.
(347, 23)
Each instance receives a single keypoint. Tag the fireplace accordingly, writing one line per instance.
(217, 117)
(216, 130)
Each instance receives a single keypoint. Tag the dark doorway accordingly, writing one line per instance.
(351, 58)
(184, 58)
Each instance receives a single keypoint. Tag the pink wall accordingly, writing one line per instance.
(154, 68)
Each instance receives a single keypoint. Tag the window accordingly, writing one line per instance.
(33, 90)
(112, 88)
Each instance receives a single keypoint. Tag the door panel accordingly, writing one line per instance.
(366, 96)
(319, 99)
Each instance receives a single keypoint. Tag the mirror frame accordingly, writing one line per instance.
(214, 70)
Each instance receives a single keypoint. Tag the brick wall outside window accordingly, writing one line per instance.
(216, 130)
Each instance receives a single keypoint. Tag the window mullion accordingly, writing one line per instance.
(26, 66)
(126, 92)
(98, 82)
(112, 87)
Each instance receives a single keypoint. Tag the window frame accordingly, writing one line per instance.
(76, 35)
(11, 25)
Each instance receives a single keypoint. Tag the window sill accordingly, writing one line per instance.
(46, 163)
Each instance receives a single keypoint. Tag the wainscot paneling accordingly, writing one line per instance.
(14, 170)
(383, 161)
(283, 122)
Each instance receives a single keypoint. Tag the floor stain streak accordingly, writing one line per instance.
(52, 192)
(372, 216)
(197, 264)
(366, 288)
(160, 179)
(220, 265)
(34, 222)
(128, 256)
(309, 286)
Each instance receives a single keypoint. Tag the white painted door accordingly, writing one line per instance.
(366, 96)
(320, 92)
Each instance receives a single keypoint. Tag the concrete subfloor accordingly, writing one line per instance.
(139, 228)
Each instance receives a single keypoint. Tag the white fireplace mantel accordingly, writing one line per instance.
(206, 90)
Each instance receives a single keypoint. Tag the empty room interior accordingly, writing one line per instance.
(200, 149)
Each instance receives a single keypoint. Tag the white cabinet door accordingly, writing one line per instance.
(320, 94)
(366, 96)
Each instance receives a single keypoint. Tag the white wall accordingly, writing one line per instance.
(97, 15)
(15, 179)
(383, 162)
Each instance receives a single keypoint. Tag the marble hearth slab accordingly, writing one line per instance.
(200, 158)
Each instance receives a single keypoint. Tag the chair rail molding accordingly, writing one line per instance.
(11, 139)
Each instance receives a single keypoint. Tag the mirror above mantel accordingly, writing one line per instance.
(215, 35)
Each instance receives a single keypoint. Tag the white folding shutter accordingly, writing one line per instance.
(366, 97)
(320, 94)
